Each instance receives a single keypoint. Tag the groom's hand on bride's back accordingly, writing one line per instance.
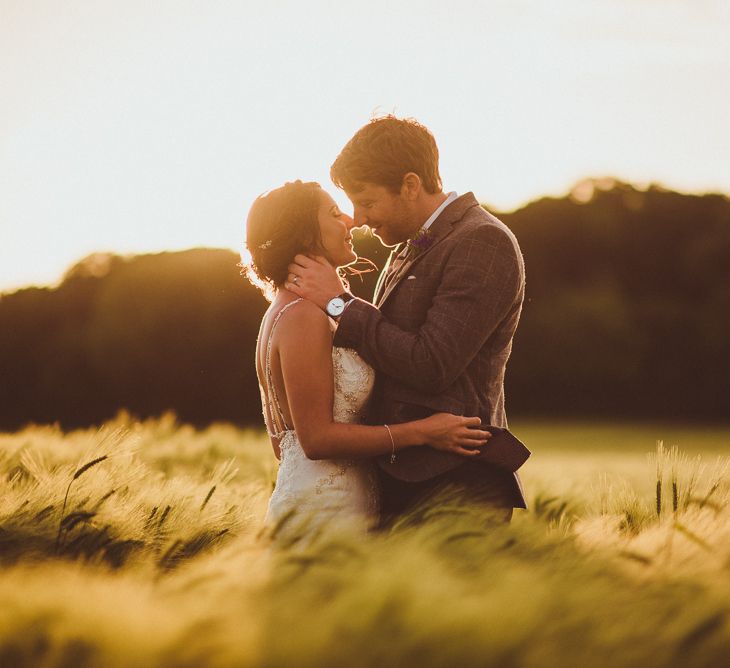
(314, 279)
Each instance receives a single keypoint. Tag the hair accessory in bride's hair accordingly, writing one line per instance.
(266, 244)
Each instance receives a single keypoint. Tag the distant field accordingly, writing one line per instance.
(141, 545)
(640, 437)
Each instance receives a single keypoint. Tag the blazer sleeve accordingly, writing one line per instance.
(482, 280)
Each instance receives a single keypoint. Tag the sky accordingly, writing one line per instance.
(136, 126)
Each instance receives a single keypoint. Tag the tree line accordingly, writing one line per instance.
(626, 315)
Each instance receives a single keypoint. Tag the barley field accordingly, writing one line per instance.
(140, 544)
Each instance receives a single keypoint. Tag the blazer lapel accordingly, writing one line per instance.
(440, 229)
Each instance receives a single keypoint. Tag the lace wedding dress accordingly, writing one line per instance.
(323, 492)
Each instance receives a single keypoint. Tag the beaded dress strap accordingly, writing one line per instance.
(274, 407)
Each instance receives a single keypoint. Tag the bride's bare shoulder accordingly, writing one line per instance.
(303, 320)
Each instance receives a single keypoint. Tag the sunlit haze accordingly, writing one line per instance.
(136, 126)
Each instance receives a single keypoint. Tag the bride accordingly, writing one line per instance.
(314, 396)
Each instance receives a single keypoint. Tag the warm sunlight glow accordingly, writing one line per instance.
(129, 127)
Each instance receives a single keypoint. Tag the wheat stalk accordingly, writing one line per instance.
(76, 475)
(660, 453)
(207, 498)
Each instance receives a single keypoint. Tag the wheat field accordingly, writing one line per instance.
(140, 544)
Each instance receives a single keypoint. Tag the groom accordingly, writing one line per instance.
(445, 310)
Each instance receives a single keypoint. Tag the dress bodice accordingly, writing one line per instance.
(354, 380)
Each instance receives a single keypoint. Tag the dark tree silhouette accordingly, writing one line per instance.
(626, 315)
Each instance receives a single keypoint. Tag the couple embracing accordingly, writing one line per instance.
(375, 408)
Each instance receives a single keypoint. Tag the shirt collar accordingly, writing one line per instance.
(450, 198)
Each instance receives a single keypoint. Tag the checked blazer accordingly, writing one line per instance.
(440, 331)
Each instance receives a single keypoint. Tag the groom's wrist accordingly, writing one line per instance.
(347, 304)
(337, 305)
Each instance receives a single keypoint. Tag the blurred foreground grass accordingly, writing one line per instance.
(157, 558)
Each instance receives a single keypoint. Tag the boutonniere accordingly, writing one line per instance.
(420, 241)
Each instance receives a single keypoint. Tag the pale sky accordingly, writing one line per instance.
(136, 126)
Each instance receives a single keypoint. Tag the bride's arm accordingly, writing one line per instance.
(305, 354)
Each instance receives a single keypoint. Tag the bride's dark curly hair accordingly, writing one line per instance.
(281, 223)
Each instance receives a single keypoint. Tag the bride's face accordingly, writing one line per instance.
(335, 229)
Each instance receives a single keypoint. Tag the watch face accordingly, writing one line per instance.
(335, 306)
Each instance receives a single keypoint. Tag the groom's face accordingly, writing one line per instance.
(390, 216)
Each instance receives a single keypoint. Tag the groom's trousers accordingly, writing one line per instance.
(486, 488)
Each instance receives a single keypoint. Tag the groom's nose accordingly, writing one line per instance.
(360, 219)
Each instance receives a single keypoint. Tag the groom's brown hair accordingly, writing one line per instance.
(383, 152)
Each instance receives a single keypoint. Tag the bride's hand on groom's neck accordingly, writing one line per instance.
(315, 279)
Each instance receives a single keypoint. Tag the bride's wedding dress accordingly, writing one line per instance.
(325, 491)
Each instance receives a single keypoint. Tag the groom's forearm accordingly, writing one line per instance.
(391, 350)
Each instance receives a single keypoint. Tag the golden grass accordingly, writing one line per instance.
(140, 544)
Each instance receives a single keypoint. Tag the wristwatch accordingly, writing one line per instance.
(336, 305)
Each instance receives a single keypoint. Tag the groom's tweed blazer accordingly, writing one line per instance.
(440, 332)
